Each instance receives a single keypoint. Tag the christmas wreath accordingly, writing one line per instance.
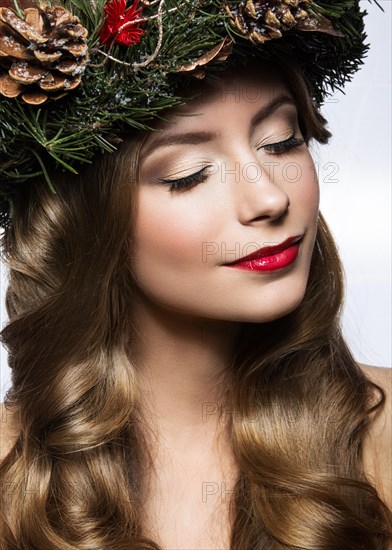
(77, 75)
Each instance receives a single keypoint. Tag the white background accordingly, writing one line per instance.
(358, 204)
(355, 179)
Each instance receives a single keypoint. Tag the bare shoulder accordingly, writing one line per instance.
(9, 430)
(378, 445)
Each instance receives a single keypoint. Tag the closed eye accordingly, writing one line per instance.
(283, 146)
(187, 182)
(198, 177)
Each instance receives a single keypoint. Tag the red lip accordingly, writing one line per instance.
(267, 251)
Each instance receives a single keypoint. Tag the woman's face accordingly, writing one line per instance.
(247, 194)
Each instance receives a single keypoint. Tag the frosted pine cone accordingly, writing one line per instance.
(263, 20)
(43, 55)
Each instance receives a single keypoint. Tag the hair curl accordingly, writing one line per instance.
(301, 403)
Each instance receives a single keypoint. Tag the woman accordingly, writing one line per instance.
(168, 391)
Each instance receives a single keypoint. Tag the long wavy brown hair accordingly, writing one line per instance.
(301, 402)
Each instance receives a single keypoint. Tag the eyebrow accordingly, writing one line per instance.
(194, 138)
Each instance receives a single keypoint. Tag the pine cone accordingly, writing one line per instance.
(219, 53)
(42, 56)
(263, 20)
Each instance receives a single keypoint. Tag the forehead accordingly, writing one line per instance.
(240, 88)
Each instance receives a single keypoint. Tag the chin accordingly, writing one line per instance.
(270, 315)
(242, 312)
(260, 315)
(241, 303)
(264, 309)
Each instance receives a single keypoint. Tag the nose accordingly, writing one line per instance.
(258, 190)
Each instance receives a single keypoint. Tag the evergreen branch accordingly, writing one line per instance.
(44, 171)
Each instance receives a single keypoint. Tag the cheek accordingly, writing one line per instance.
(167, 260)
(169, 231)
(304, 187)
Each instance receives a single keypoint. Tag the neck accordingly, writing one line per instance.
(184, 371)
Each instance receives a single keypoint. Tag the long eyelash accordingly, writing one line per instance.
(181, 183)
(283, 146)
